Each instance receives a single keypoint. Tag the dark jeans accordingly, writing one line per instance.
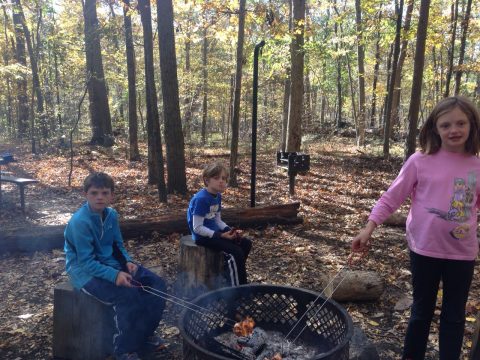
(456, 276)
(137, 313)
(239, 250)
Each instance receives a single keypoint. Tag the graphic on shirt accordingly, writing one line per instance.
(213, 210)
(461, 205)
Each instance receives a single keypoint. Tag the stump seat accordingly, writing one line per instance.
(83, 327)
(200, 269)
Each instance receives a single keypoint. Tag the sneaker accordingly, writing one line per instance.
(157, 342)
(128, 356)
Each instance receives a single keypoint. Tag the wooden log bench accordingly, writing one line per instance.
(20, 182)
(83, 327)
(200, 269)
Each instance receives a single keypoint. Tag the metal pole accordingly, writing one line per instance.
(254, 122)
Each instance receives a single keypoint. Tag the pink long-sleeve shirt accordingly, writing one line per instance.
(444, 189)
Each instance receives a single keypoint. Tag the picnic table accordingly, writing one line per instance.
(19, 181)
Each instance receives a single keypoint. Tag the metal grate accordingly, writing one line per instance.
(279, 308)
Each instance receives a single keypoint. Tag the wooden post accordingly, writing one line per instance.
(200, 269)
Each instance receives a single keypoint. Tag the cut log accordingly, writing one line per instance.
(356, 286)
(83, 327)
(50, 237)
(199, 270)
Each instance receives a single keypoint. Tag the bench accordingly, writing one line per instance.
(20, 182)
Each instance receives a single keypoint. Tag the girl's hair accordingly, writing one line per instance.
(430, 141)
(99, 180)
(212, 170)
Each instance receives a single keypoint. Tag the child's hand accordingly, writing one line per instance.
(132, 268)
(123, 279)
(230, 235)
(238, 233)
(361, 242)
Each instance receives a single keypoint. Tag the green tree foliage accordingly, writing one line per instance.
(56, 28)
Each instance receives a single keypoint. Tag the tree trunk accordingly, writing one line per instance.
(101, 121)
(375, 80)
(295, 108)
(463, 43)
(352, 92)
(417, 78)
(20, 56)
(6, 60)
(395, 112)
(133, 153)
(286, 99)
(391, 87)
(205, 84)
(339, 74)
(451, 49)
(230, 107)
(176, 177)
(361, 75)
(236, 99)
(156, 173)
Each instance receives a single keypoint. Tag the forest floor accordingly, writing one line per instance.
(336, 196)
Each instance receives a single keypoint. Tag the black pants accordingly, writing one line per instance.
(456, 276)
(238, 249)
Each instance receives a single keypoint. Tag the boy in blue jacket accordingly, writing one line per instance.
(207, 228)
(98, 265)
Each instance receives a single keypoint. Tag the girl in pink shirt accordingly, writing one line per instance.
(441, 227)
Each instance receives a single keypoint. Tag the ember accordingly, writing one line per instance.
(245, 327)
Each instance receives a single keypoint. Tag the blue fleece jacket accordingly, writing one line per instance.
(89, 242)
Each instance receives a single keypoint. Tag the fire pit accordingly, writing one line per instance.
(327, 328)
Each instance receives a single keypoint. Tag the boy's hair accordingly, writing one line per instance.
(212, 170)
(430, 141)
(99, 180)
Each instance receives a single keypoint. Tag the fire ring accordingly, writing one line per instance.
(274, 308)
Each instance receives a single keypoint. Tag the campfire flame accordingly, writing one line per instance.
(245, 327)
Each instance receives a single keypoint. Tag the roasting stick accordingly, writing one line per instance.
(181, 302)
(350, 262)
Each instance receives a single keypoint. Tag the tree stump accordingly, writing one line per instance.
(356, 286)
(83, 327)
(200, 269)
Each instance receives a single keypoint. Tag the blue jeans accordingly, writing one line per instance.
(137, 313)
(456, 276)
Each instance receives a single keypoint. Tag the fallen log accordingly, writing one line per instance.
(51, 237)
(356, 286)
